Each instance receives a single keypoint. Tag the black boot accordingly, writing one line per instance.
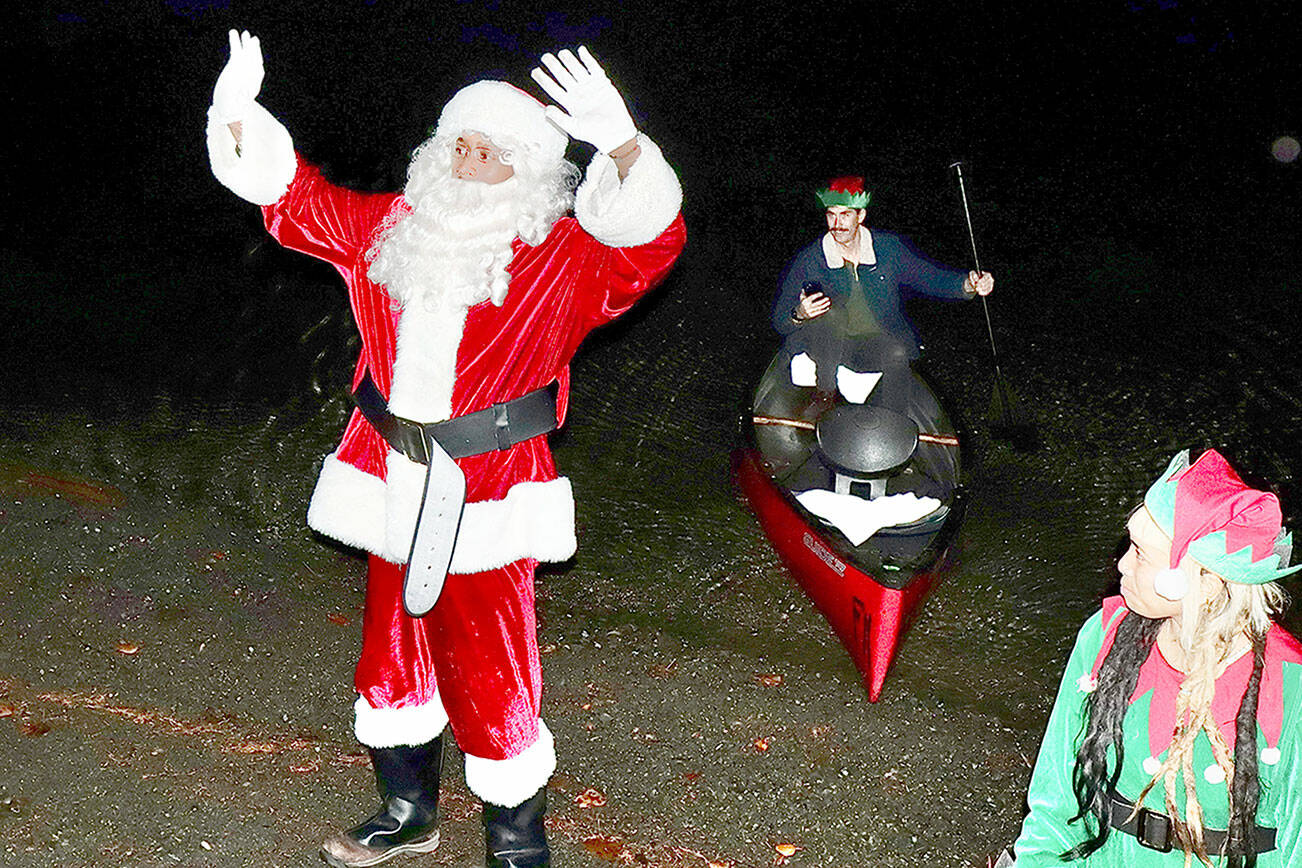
(407, 822)
(514, 837)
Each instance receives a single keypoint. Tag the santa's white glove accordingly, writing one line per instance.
(593, 110)
(240, 80)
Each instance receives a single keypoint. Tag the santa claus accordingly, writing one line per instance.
(472, 290)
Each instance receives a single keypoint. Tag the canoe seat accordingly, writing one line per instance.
(865, 444)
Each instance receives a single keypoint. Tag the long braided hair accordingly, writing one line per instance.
(1092, 781)
(1208, 630)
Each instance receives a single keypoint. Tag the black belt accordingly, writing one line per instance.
(1154, 830)
(500, 426)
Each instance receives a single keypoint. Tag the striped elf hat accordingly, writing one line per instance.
(1209, 512)
(846, 191)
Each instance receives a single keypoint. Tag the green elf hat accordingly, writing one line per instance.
(1209, 512)
(846, 191)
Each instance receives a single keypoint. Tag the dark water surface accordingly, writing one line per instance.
(1147, 261)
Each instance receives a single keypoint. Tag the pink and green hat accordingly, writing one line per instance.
(1231, 529)
(846, 191)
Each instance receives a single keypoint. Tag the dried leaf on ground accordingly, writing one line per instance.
(602, 847)
(785, 852)
(590, 798)
(663, 670)
(33, 728)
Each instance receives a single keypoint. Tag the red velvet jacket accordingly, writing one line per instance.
(559, 291)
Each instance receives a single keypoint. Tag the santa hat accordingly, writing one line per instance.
(495, 108)
(846, 191)
(1210, 513)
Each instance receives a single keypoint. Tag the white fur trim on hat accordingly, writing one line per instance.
(265, 165)
(392, 727)
(509, 782)
(633, 211)
(1171, 583)
(534, 520)
(497, 108)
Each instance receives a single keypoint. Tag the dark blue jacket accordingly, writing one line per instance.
(900, 272)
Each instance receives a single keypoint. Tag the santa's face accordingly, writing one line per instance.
(843, 223)
(475, 158)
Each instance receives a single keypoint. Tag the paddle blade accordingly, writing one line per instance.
(1008, 421)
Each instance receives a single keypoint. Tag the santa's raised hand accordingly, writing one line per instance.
(240, 80)
(590, 108)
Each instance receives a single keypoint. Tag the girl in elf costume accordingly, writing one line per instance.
(1177, 731)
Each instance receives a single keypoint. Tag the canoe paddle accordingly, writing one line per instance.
(1006, 425)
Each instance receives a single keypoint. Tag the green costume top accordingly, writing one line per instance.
(1047, 832)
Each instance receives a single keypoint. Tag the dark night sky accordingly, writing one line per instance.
(1145, 119)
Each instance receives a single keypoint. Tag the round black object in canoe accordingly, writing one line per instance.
(865, 440)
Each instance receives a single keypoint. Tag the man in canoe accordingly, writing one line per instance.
(1177, 731)
(472, 290)
(840, 301)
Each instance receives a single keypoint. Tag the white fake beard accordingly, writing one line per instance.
(452, 249)
(448, 253)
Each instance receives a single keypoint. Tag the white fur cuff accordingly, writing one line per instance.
(632, 212)
(510, 782)
(265, 165)
(393, 727)
(348, 505)
(534, 520)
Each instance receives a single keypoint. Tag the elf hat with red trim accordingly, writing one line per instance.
(846, 191)
(1210, 513)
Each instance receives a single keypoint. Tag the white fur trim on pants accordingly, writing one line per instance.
(265, 165)
(534, 520)
(393, 727)
(510, 782)
(634, 211)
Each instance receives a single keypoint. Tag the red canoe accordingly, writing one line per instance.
(869, 593)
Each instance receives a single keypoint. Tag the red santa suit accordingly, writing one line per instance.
(473, 659)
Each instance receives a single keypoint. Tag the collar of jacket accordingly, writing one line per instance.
(832, 251)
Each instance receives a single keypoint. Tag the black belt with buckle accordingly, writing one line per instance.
(500, 426)
(1155, 831)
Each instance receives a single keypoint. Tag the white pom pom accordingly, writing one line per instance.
(1270, 756)
(1214, 774)
(1171, 584)
(1151, 765)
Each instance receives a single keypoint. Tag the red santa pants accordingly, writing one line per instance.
(476, 651)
